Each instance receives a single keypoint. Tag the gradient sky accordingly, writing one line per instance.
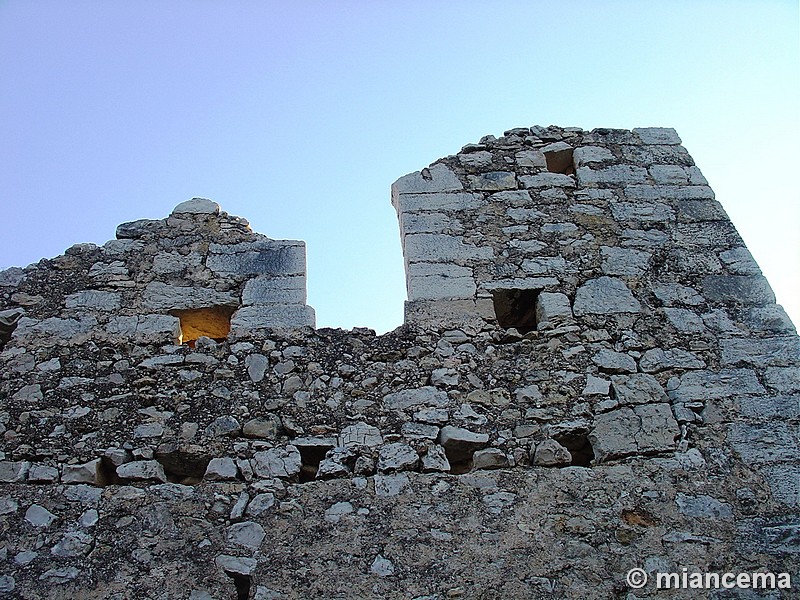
(299, 116)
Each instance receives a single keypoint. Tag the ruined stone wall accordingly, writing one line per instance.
(593, 376)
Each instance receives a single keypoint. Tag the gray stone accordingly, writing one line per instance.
(238, 565)
(397, 457)
(656, 360)
(29, 394)
(172, 262)
(544, 265)
(275, 290)
(419, 431)
(262, 257)
(221, 469)
(435, 460)
(489, 458)
(162, 296)
(148, 430)
(8, 505)
(260, 504)
(139, 228)
(497, 502)
(39, 516)
(59, 576)
(549, 453)
(596, 386)
(248, 534)
(553, 310)
(530, 159)
(613, 175)
(43, 474)
(657, 135)
(785, 380)
(93, 300)
(605, 295)
(493, 181)
(81, 473)
(547, 180)
(442, 285)
(145, 328)
(784, 483)
(614, 362)
(444, 377)
(624, 261)
(256, 366)
(382, 567)
(11, 277)
(708, 385)
(277, 462)
(437, 178)
(142, 470)
(759, 444)
(424, 396)
(771, 318)
(739, 261)
(225, 425)
(267, 427)
(73, 544)
(638, 388)
(457, 438)
(586, 155)
(775, 351)
(88, 518)
(197, 206)
(477, 159)
(641, 429)
(636, 212)
(437, 247)
(703, 507)
(390, 485)
(272, 316)
(360, 434)
(738, 289)
(338, 510)
(685, 320)
(411, 203)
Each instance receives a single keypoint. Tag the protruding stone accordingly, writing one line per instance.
(197, 206)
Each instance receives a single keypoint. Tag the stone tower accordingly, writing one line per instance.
(593, 376)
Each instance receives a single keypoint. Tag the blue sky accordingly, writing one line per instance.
(299, 116)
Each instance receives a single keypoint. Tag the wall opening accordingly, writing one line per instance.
(559, 160)
(577, 442)
(213, 322)
(242, 584)
(8, 323)
(515, 308)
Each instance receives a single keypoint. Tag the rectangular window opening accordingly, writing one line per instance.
(212, 322)
(560, 161)
(516, 308)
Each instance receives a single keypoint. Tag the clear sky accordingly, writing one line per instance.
(300, 115)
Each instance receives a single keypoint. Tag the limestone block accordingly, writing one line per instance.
(624, 261)
(549, 453)
(435, 460)
(739, 261)
(552, 310)
(657, 135)
(434, 247)
(684, 320)
(272, 316)
(709, 385)
(668, 192)
(758, 444)
(424, 396)
(525, 215)
(656, 360)
(489, 458)
(547, 180)
(275, 290)
(428, 222)
(531, 159)
(458, 438)
(529, 283)
(437, 178)
(267, 427)
(784, 483)
(785, 380)
(586, 155)
(360, 434)
(39, 516)
(475, 159)
(248, 534)
(145, 328)
(703, 507)
(637, 388)
(139, 228)
(397, 457)
(52, 330)
(172, 262)
(605, 295)
(738, 289)
(671, 293)
(669, 174)
(780, 351)
(197, 206)
(770, 318)
(493, 181)
(614, 362)
(544, 265)
(164, 297)
(93, 299)
(454, 312)
(277, 462)
(142, 470)
(13, 471)
(689, 211)
(640, 429)
(455, 201)
(11, 277)
(221, 469)
(612, 175)
(263, 257)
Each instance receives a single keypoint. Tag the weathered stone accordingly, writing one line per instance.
(758, 444)
(738, 289)
(162, 296)
(142, 470)
(703, 507)
(39, 516)
(272, 316)
(197, 206)
(267, 427)
(435, 460)
(774, 351)
(493, 181)
(397, 457)
(624, 261)
(552, 310)
(637, 388)
(656, 360)
(221, 469)
(424, 396)
(708, 385)
(275, 290)
(490, 458)
(457, 438)
(263, 257)
(437, 178)
(256, 366)
(225, 425)
(549, 453)
(277, 462)
(614, 362)
(249, 534)
(604, 295)
(93, 300)
(81, 473)
(642, 429)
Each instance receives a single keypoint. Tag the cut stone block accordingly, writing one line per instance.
(605, 295)
(275, 290)
(265, 257)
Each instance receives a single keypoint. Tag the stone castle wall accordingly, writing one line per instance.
(593, 376)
